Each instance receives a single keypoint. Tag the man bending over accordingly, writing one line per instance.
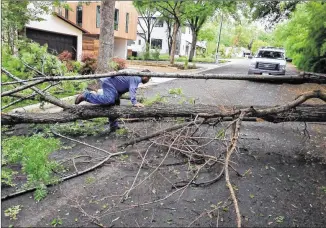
(113, 88)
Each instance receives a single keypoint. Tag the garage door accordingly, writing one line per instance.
(57, 42)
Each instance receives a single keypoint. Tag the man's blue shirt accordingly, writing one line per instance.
(124, 84)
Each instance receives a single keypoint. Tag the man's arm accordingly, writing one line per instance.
(134, 82)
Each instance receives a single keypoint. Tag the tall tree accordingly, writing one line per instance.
(272, 11)
(106, 36)
(196, 14)
(176, 10)
(304, 36)
(17, 13)
(149, 17)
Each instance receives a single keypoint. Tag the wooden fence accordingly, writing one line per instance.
(90, 46)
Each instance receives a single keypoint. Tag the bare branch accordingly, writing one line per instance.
(74, 140)
(27, 97)
(46, 97)
(234, 140)
(20, 88)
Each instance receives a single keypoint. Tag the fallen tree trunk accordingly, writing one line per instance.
(301, 113)
(291, 111)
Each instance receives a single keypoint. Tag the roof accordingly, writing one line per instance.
(71, 23)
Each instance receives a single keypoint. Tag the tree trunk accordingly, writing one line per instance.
(106, 36)
(174, 41)
(219, 39)
(285, 113)
(193, 45)
(169, 24)
(250, 44)
(170, 44)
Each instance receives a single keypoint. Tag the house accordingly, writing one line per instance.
(159, 32)
(159, 38)
(87, 16)
(58, 33)
(185, 42)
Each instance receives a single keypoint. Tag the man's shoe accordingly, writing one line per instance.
(79, 98)
(114, 128)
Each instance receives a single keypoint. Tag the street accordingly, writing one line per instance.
(229, 92)
(283, 181)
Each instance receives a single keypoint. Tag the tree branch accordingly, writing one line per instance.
(285, 113)
(46, 97)
(31, 97)
(295, 78)
(20, 88)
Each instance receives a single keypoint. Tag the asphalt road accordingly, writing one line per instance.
(228, 92)
(283, 182)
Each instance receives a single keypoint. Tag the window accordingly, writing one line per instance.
(158, 23)
(116, 19)
(130, 42)
(79, 16)
(270, 54)
(183, 30)
(66, 13)
(127, 22)
(156, 43)
(98, 16)
(60, 11)
(139, 42)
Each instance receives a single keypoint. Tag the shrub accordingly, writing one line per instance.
(164, 57)
(89, 64)
(146, 55)
(113, 65)
(118, 64)
(38, 57)
(76, 66)
(33, 55)
(156, 54)
(66, 58)
(186, 64)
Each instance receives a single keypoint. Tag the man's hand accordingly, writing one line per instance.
(139, 105)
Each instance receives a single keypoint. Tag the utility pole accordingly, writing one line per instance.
(219, 38)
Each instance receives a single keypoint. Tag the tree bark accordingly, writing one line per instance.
(250, 44)
(274, 114)
(169, 28)
(148, 43)
(193, 45)
(174, 41)
(303, 77)
(106, 36)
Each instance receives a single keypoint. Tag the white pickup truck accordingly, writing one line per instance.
(269, 60)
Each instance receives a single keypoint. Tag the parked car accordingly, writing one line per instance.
(269, 60)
